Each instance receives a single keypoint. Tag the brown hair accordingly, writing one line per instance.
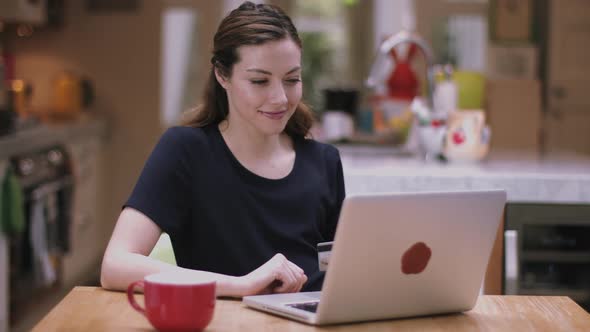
(249, 24)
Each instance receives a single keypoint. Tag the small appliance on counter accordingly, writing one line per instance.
(340, 108)
(71, 93)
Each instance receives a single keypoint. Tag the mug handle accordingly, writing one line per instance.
(131, 297)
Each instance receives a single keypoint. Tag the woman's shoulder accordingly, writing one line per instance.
(323, 150)
(185, 135)
(185, 139)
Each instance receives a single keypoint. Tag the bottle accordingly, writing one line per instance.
(3, 88)
(7, 117)
(445, 93)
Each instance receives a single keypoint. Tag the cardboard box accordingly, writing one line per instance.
(512, 62)
(514, 114)
(511, 20)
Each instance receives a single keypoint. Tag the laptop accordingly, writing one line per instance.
(400, 255)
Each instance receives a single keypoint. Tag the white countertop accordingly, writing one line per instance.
(558, 178)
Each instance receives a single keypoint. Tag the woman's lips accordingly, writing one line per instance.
(274, 115)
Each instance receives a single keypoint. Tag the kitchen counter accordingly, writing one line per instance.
(560, 178)
(44, 135)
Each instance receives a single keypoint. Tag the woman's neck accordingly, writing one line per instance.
(247, 143)
(271, 156)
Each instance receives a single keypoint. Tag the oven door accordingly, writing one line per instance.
(547, 251)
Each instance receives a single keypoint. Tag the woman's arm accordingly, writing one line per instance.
(125, 260)
(126, 257)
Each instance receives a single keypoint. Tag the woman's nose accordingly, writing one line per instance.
(278, 95)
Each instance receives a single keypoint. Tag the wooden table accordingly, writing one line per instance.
(94, 309)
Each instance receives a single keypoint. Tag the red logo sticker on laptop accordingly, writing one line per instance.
(416, 258)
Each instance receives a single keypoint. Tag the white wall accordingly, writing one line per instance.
(391, 16)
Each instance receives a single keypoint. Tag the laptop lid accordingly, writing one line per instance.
(409, 254)
(401, 255)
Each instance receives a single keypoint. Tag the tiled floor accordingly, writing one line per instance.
(43, 307)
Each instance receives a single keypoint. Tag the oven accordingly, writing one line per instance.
(35, 253)
(547, 250)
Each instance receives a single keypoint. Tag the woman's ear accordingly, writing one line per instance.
(220, 79)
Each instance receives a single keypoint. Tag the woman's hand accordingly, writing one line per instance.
(278, 275)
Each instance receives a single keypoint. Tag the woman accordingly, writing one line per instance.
(243, 194)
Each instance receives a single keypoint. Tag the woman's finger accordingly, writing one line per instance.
(288, 278)
(299, 275)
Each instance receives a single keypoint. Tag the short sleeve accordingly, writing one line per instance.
(163, 190)
(338, 191)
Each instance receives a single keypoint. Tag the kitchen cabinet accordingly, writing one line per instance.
(567, 123)
(87, 244)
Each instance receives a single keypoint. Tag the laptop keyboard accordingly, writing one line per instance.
(307, 306)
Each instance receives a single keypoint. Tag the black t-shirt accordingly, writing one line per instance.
(223, 218)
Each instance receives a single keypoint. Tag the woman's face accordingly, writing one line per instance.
(265, 86)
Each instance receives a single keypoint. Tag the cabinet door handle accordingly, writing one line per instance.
(511, 262)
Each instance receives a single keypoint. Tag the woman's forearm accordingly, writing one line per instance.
(119, 269)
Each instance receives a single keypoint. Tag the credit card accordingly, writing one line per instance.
(324, 252)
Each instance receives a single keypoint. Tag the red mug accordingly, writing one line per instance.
(175, 302)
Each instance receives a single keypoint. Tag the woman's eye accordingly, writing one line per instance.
(259, 82)
(294, 80)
